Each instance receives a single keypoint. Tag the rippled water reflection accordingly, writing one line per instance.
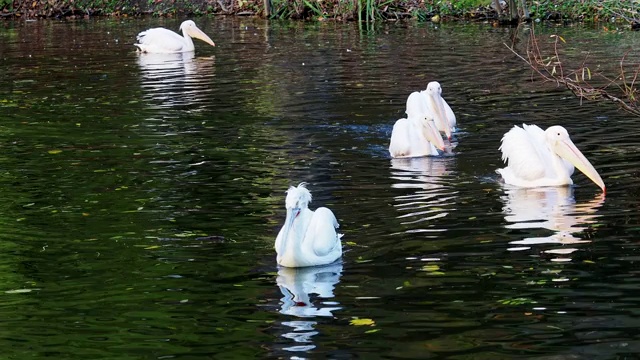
(141, 196)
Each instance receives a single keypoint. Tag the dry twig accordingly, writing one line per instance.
(620, 89)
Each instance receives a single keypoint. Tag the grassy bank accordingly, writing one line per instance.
(337, 10)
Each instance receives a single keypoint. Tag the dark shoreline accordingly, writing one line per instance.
(323, 10)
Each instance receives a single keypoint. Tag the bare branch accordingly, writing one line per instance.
(582, 82)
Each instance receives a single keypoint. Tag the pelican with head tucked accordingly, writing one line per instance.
(542, 158)
(431, 101)
(416, 135)
(308, 238)
(161, 40)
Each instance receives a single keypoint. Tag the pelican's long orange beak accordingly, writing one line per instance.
(439, 115)
(432, 134)
(198, 34)
(568, 151)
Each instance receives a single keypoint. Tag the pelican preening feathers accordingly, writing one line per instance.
(307, 238)
(537, 158)
(427, 115)
(161, 40)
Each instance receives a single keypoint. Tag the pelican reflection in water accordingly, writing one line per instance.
(434, 196)
(307, 293)
(178, 79)
(551, 208)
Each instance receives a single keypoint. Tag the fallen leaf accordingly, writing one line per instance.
(362, 322)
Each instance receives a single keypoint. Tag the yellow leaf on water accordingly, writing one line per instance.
(152, 247)
(371, 331)
(430, 268)
(362, 322)
(54, 151)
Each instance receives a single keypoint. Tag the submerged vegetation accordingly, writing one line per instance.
(338, 10)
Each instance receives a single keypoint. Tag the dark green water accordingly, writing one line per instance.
(141, 196)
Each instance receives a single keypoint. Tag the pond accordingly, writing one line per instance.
(141, 197)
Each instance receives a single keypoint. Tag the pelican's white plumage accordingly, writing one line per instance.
(417, 134)
(413, 137)
(161, 40)
(430, 101)
(542, 158)
(308, 238)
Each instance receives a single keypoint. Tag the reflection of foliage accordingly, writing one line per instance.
(620, 88)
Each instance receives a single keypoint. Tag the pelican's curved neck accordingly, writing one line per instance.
(293, 246)
(560, 171)
(188, 40)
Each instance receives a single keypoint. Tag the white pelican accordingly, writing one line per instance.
(431, 101)
(415, 136)
(161, 40)
(542, 158)
(308, 238)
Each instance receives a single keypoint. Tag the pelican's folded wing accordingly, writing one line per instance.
(523, 149)
(323, 230)
(160, 40)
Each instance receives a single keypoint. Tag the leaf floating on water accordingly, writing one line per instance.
(54, 151)
(430, 268)
(152, 247)
(186, 234)
(19, 291)
(588, 261)
(362, 322)
(371, 331)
